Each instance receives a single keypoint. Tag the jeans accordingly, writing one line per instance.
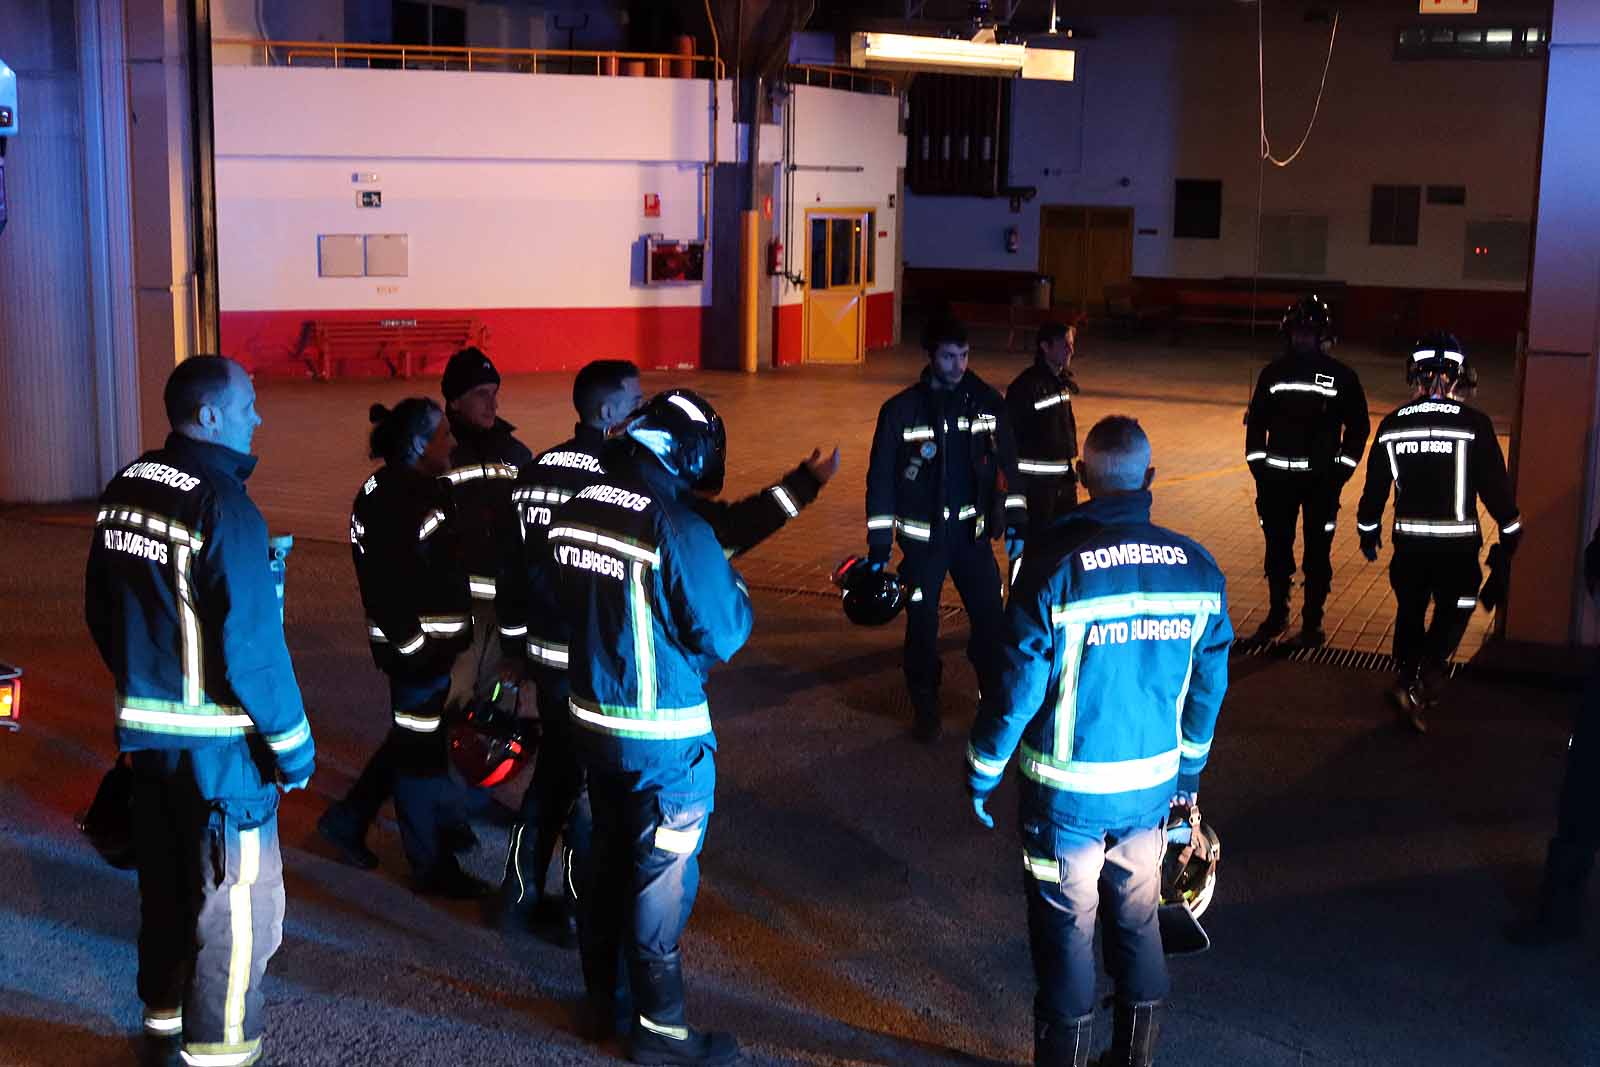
(1068, 875)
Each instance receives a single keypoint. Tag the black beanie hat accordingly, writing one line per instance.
(467, 369)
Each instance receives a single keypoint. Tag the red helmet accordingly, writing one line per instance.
(489, 743)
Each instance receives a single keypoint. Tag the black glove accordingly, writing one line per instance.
(878, 558)
(1493, 593)
(1370, 543)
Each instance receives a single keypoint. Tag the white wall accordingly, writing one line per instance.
(516, 190)
(1158, 99)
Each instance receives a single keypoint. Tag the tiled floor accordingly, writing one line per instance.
(1190, 400)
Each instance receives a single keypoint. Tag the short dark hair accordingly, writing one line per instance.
(196, 381)
(597, 381)
(943, 330)
(400, 433)
(1050, 332)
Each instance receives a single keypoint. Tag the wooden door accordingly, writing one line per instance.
(839, 265)
(1083, 250)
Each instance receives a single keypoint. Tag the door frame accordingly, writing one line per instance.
(866, 284)
(1045, 213)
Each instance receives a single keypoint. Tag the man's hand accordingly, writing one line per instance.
(1181, 799)
(823, 467)
(1370, 543)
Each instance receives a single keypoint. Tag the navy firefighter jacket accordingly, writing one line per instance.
(1113, 670)
(181, 601)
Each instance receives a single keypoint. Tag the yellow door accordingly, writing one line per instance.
(839, 265)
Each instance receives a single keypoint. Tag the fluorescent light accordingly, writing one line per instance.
(1048, 64)
(899, 51)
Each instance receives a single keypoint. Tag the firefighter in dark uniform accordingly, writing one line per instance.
(419, 621)
(1305, 431)
(1441, 455)
(604, 393)
(1040, 404)
(184, 610)
(1116, 662)
(653, 604)
(1569, 859)
(934, 484)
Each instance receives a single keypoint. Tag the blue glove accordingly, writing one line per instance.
(1013, 546)
(983, 817)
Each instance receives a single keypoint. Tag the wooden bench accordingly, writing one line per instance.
(1229, 307)
(403, 345)
(1125, 309)
(1013, 317)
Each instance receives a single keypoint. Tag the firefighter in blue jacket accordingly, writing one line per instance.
(941, 453)
(1115, 665)
(653, 604)
(605, 393)
(184, 610)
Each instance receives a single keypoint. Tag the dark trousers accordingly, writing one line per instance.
(1313, 504)
(1449, 580)
(1073, 878)
(556, 803)
(211, 910)
(1050, 497)
(971, 565)
(1576, 824)
(638, 886)
(411, 764)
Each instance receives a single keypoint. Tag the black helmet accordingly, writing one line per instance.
(1189, 868)
(108, 822)
(872, 596)
(1439, 355)
(1310, 312)
(685, 432)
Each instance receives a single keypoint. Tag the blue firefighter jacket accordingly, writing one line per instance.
(653, 605)
(1113, 670)
(182, 605)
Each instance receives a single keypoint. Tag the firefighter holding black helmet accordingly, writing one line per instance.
(1441, 455)
(1306, 428)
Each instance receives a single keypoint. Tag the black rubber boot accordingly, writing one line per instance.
(521, 886)
(1133, 1036)
(348, 836)
(1562, 896)
(448, 880)
(1277, 619)
(1410, 701)
(1063, 1044)
(1311, 634)
(660, 1033)
(925, 724)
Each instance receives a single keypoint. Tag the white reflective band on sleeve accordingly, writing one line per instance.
(431, 523)
(1043, 466)
(1043, 870)
(1052, 401)
(295, 737)
(513, 631)
(484, 470)
(683, 842)
(442, 624)
(375, 634)
(549, 655)
(1328, 527)
(676, 1033)
(1303, 387)
(917, 531)
(482, 588)
(917, 433)
(785, 501)
(1017, 500)
(1439, 432)
(164, 1024)
(1348, 462)
(1193, 749)
(1466, 602)
(1512, 528)
(916, 596)
(1251, 457)
(586, 536)
(412, 645)
(1367, 527)
(983, 766)
(1426, 528)
(880, 522)
(967, 511)
(1288, 463)
(422, 724)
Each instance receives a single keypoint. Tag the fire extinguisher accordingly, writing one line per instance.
(775, 257)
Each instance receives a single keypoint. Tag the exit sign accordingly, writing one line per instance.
(1447, 7)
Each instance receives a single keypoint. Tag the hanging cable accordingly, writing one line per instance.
(1261, 89)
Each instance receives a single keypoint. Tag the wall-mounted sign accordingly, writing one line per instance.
(1447, 7)
(364, 177)
(370, 197)
(652, 205)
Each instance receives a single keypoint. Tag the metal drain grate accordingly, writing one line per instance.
(1345, 658)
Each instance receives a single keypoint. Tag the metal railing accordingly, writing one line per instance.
(225, 51)
(855, 81)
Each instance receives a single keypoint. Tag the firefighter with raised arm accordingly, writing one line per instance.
(182, 605)
(1040, 403)
(1115, 662)
(1306, 428)
(1441, 455)
(604, 393)
(934, 484)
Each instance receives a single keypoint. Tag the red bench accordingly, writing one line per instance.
(1013, 317)
(403, 345)
(1230, 307)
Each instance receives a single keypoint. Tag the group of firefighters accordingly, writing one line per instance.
(599, 571)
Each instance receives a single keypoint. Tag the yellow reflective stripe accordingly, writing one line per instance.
(513, 631)
(917, 433)
(1430, 431)
(1467, 602)
(676, 1033)
(164, 1022)
(444, 624)
(290, 738)
(412, 645)
(1288, 463)
(482, 470)
(1251, 457)
(205, 720)
(1513, 527)
(375, 634)
(1052, 401)
(589, 536)
(242, 932)
(1433, 528)
(1303, 387)
(1194, 749)
(1044, 466)
(189, 628)
(682, 842)
(668, 724)
(551, 655)
(481, 587)
(422, 724)
(984, 767)
(1042, 869)
(644, 640)
(880, 522)
(1124, 604)
(1349, 462)
(222, 1054)
(1017, 500)
(1100, 777)
(785, 501)
(917, 531)
(170, 529)
(432, 522)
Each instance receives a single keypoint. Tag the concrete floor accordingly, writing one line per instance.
(851, 913)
